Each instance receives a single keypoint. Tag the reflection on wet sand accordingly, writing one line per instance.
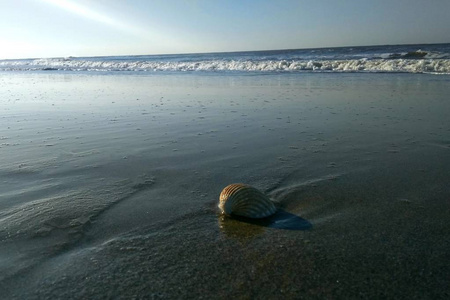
(243, 228)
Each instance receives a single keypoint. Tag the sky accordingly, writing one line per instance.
(61, 28)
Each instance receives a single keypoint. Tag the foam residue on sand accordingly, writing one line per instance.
(39, 229)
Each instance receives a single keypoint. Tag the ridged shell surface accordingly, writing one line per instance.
(245, 201)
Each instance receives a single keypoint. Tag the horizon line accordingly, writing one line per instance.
(232, 51)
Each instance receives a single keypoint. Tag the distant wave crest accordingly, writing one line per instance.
(391, 64)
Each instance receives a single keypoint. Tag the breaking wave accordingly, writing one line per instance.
(401, 65)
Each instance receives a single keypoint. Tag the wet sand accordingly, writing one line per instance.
(110, 185)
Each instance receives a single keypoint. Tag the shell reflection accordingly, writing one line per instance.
(239, 229)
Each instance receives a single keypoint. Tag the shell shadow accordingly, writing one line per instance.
(280, 220)
(285, 220)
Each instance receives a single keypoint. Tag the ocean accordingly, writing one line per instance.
(112, 167)
(426, 58)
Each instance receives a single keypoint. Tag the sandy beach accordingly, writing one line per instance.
(110, 185)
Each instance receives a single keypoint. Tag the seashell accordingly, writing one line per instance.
(243, 200)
